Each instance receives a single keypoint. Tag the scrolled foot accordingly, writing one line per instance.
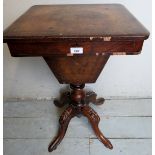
(92, 97)
(64, 120)
(94, 120)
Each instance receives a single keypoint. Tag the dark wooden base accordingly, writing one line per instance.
(78, 101)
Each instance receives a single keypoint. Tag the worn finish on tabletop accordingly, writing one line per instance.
(101, 30)
(108, 28)
(88, 21)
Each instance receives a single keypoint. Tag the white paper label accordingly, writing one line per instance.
(76, 50)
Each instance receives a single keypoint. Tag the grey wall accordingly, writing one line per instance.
(123, 76)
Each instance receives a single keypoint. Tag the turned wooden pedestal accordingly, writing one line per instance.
(76, 41)
(78, 104)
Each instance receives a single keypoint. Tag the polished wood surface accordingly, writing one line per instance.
(78, 104)
(51, 31)
(77, 21)
(77, 69)
(46, 30)
(22, 49)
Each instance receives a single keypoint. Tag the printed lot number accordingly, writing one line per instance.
(76, 50)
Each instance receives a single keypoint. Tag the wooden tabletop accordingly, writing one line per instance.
(76, 40)
(62, 22)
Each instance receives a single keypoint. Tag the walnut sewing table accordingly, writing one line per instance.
(76, 41)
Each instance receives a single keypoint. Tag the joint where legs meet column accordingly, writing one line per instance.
(78, 101)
